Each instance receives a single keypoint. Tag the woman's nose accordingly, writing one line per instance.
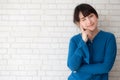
(89, 21)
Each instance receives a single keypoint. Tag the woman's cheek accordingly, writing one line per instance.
(85, 27)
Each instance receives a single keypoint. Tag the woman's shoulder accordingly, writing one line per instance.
(76, 37)
(107, 34)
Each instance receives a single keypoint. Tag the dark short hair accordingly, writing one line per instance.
(85, 9)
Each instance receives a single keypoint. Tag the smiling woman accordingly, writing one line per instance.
(92, 52)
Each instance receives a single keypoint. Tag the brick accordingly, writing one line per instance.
(48, 18)
(48, 6)
(23, 78)
(100, 1)
(115, 1)
(114, 7)
(3, 1)
(65, 1)
(114, 12)
(7, 78)
(100, 6)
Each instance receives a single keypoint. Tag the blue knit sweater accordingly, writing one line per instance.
(91, 60)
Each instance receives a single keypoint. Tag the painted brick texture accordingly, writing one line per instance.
(34, 36)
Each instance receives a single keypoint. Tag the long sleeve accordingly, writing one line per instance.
(109, 58)
(76, 54)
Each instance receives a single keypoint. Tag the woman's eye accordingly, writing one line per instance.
(83, 19)
(91, 16)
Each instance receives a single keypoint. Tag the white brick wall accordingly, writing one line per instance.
(34, 36)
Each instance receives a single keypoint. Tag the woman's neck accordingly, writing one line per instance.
(94, 33)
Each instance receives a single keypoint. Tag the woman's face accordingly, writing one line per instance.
(89, 22)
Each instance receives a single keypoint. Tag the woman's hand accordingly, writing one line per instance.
(86, 34)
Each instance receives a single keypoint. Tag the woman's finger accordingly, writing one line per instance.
(81, 28)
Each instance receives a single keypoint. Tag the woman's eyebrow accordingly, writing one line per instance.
(82, 17)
